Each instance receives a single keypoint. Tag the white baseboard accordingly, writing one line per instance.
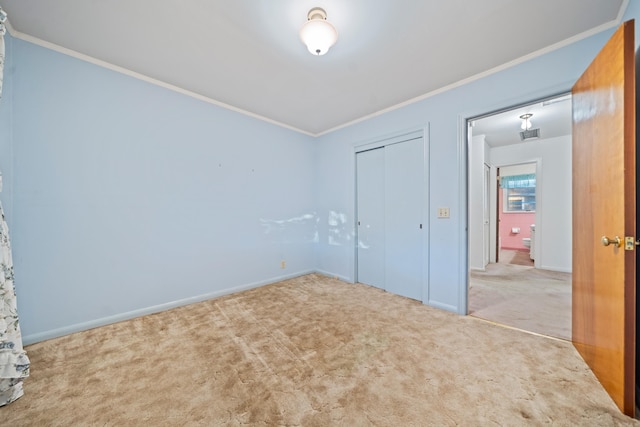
(78, 327)
(335, 276)
(559, 269)
(441, 306)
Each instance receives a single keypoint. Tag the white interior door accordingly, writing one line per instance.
(404, 192)
(370, 184)
(486, 200)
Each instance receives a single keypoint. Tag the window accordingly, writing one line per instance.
(519, 199)
(519, 193)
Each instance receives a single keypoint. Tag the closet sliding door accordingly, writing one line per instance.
(404, 183)
(390, 199)
(371, 219)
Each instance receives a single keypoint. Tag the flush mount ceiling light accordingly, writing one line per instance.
(526, 121)
(317, 33)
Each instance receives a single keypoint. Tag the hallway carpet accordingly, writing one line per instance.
(526, 298)
(310, 351)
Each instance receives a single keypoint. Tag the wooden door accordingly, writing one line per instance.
(370, 181)
(604, 194)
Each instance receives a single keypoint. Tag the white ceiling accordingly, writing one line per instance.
(247, 53)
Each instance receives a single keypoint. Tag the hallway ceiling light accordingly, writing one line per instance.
(526, 121)
(317, 33)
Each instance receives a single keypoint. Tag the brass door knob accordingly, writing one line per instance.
(607, 241)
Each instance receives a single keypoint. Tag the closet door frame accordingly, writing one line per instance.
(396, 138)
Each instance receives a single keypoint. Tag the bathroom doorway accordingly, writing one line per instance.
(525, 282)
(516, 214)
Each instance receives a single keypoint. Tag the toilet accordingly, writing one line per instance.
(529, 242)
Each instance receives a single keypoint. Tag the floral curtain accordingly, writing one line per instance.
(14, 363)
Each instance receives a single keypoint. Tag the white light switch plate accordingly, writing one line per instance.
(443, 212)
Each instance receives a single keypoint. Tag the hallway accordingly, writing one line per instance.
(522, 297)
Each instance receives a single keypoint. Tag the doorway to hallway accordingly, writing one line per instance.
(517, 171)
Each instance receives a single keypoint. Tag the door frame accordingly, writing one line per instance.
(486, 214)
(464, 121)
(539, 187)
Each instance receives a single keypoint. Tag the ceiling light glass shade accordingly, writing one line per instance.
(526, 121)
(318, 34)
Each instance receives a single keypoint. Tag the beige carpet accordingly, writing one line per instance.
(311, 351)
(526, 298)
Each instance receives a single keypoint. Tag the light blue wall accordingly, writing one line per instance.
(547, 75)
(129, 197)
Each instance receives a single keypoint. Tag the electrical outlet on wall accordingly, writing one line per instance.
(283, 264)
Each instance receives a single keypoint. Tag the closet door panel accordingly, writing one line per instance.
(404, 192)
(370, 177)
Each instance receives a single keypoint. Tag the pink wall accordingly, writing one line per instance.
(508, 239)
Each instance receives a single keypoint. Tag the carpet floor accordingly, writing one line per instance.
(310, 351)
(526, 298)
